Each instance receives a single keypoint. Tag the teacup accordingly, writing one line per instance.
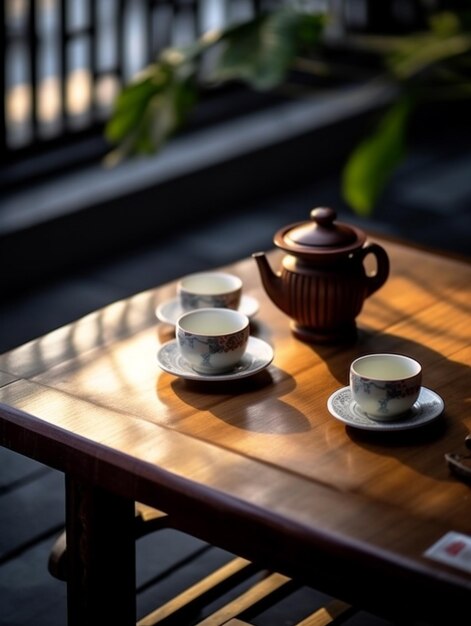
(212, 340)
(209, 289)
(385, 385)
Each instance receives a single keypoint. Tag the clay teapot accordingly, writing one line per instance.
(323, 282)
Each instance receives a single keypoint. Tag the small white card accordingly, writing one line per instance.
(452, 549)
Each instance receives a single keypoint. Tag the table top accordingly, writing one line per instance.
(259, 465)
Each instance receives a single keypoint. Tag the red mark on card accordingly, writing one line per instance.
(455, 547)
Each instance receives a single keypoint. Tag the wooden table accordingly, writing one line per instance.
(257, 466)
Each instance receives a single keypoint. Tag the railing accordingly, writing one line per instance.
(64, 60)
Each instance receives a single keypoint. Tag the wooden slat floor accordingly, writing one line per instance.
(32, 496)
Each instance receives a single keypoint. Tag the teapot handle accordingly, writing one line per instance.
(378, 279)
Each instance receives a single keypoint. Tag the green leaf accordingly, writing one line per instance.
(129, 107)
(156, 104)
(149, 110)
(260, 52)
(168, 112)
(371, 164)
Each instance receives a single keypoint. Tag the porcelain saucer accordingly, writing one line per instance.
(258, 356)
(428, 407)
(171, 310)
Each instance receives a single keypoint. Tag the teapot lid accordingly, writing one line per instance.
(320, 235)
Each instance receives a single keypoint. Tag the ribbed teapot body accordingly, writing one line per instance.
(324, 301)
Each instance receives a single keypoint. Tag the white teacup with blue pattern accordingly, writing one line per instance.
(385, 386)
(212, 340)
(209, 289)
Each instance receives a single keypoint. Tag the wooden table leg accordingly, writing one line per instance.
(101, 557)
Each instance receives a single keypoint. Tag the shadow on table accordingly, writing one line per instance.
(278, 417)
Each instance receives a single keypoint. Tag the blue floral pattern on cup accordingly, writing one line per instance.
(392, 391)
(195, 301)
(207, 347)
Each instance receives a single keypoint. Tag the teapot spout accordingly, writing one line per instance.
(271, 280)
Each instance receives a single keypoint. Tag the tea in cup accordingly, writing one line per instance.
(212, 340)
(209, 289)
(385, 386)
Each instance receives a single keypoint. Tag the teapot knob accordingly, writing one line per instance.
(324, 216)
